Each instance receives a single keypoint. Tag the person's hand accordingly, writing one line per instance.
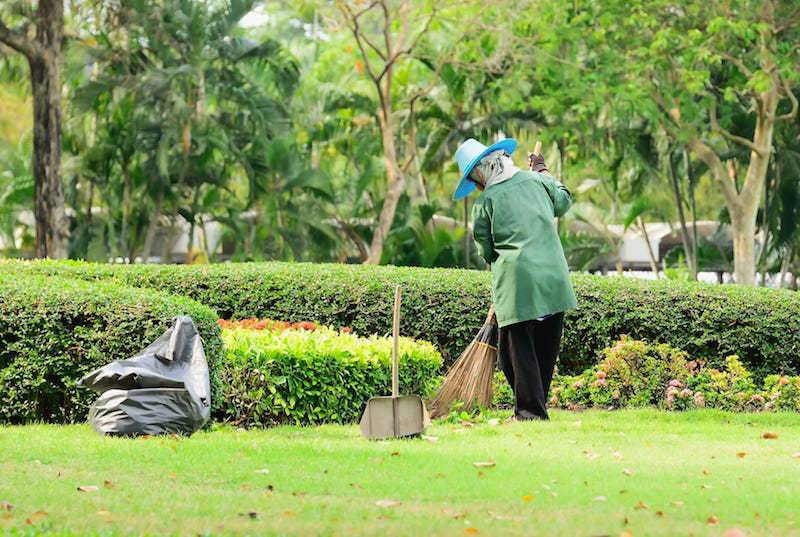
(537, 163)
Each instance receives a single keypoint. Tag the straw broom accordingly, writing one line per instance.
(470, 378)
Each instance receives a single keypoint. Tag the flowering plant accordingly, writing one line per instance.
(254, 323)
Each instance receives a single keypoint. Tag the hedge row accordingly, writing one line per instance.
(325, 376)
(447, 306)
(54, 330)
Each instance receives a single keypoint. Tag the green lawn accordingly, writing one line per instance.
(582, 474)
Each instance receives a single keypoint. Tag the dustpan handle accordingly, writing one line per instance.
(396, 342)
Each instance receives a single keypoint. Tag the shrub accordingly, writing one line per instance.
(309, 377)
(782, 393)
(636, 373)
(448, 306)
(730, 388)
(54, 330)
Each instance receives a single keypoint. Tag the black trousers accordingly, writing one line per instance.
(527, 353)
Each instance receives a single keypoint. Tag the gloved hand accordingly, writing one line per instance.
(537, 163)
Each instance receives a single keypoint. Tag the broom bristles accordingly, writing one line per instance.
(470, 378)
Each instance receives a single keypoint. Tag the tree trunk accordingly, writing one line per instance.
(693, 208)
(650, 254)
(394, 177)
(743, 222)
(151, 228)
(52, 224)
(126, 208)
(684, 232)
(785, 267)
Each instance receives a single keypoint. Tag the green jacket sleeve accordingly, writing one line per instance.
(482, 232)
(559, 194)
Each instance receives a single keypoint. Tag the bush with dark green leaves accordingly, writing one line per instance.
(54, 330)
(309, 377)
(448, 306)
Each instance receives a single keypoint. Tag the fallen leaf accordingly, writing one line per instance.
(600, 498)
(590, 455)
(301, 494)
(714, 500)
(741, 454)
(627, 472)
(735, 532)
(498, 517)
(480, 473)
(460, 515)
(706, 486)
(430, 438)
(466, 423)
(626, 534)
(706, 472)
(641, 505)
(677, 502)
(6, 516)
(471, 531)
(659, 513)
(712, 520)
(109, 485)
(104, 512)
(88, 488)
(572, 441)
(355, 486)
(527, 497)
(439, 475)
(493, 421)
(7, 506)
(395, 453)
(388, 503)
(174, 447)
(39, 514)
(769, 435)
(173, 475)
(252, 514)
(262, 471)
(246, 486)
(288, 513)
(376, 460)
(617, 455)
(554, 494)
(484, 464)
(796, 455)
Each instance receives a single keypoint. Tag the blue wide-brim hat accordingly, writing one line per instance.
(469, 153)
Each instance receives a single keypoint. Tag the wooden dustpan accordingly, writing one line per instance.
(394, 416)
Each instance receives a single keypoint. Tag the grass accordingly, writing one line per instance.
(581, 474)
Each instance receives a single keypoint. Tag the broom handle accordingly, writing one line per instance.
(396, 341)
(537, 150)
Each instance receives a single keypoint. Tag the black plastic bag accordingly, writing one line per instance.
(164, 389)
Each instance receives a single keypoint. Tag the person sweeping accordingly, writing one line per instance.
(513, 226)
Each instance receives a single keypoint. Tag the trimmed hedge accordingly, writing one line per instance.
(54, 330)
(447, 306)
(311, 377)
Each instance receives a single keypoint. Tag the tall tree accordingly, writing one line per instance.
(694, 69)
(43, 52)
(387, 34)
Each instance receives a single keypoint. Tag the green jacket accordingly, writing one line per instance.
(512, 223)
